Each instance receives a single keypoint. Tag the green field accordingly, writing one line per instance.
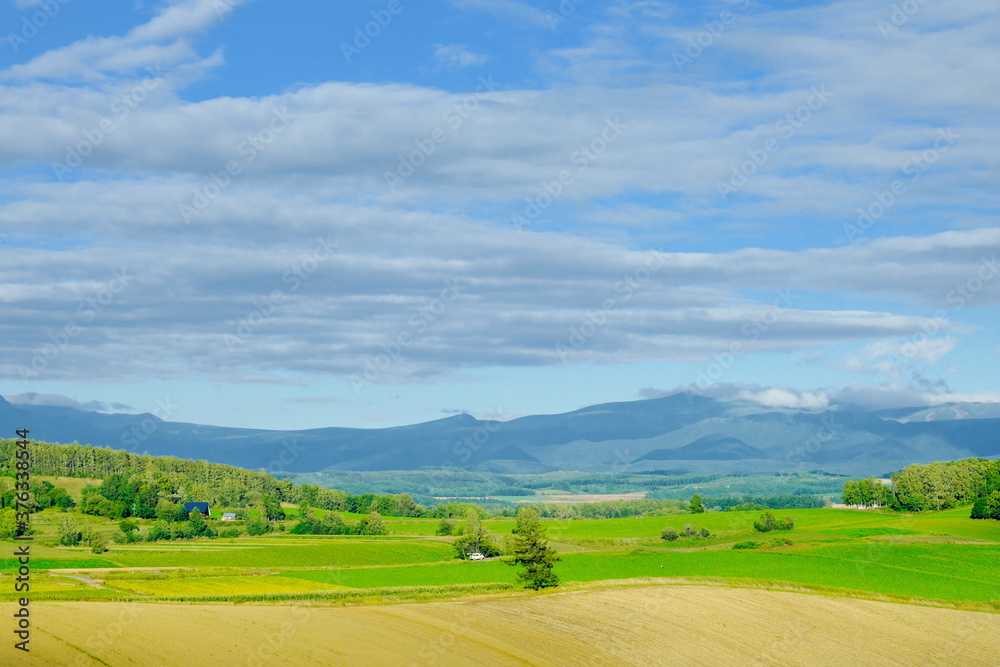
(282, 552)
(936, 556)
(942, 572)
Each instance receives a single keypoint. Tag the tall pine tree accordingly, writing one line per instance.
(532, 552)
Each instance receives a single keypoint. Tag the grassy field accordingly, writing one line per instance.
(940, 572)
(73, 485)
(282, 552)
(936, 556)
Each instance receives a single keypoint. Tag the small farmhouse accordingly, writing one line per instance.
(201, 507)
(229, 516)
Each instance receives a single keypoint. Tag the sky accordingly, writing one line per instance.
(297, 214)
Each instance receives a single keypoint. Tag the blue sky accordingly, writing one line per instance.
(259, 215)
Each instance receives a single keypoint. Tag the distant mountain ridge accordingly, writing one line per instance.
(691, 431)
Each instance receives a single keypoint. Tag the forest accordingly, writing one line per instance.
(141, 486)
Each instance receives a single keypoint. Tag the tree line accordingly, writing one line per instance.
(782, 501)
(934, 486)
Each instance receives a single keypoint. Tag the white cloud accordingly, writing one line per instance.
(524, 292)
(161, 42)
(894, 356)
(60, 401)
(456, 55)
(895, 395)
(523, 12)
(775, 397)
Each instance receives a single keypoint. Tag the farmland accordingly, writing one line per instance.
(834, 565)
(940, 556)
(646, 625)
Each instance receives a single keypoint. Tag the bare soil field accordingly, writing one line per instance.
(646, 625)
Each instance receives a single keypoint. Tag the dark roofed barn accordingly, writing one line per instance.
(201, 507)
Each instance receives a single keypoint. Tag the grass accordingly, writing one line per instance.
(282, 552)
(937, 555)
(942, 572)
(73, 485)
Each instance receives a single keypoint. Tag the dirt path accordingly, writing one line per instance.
(85, 579)
(651, 625)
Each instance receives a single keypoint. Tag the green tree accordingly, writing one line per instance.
(371, 525)
(8, 523)
(95, 539)
(128, 532)
(257, 526)
(145, 502)
(866, 493)
(332, 524)
(166, 510)
(60, 498)
(980, 509)
(476, 538)
(987, 507)
(530, 549)
(160, 531)
(272, 508)
(92, 503)
(306, 513)
(445, 526)
(69, 532)
(669, 534)
(406, 506)
(696, 507)
(197, 524)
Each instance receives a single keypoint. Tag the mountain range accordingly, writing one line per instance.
(679, 432)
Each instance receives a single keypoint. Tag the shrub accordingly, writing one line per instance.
(130, 537)
(766, 523)
(669, 534)
(690, 531)
(95, 539)
(705, 532)
(749, 544)
(371, 525)
(330, 524)
(160, 531)
(69, 532)
(180, 531)
(257, 527)
(445, 527)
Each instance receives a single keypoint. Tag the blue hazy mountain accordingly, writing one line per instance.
(690, 431)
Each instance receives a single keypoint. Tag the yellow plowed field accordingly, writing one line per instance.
(651, 625)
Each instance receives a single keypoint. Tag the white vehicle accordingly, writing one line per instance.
(476, 556)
